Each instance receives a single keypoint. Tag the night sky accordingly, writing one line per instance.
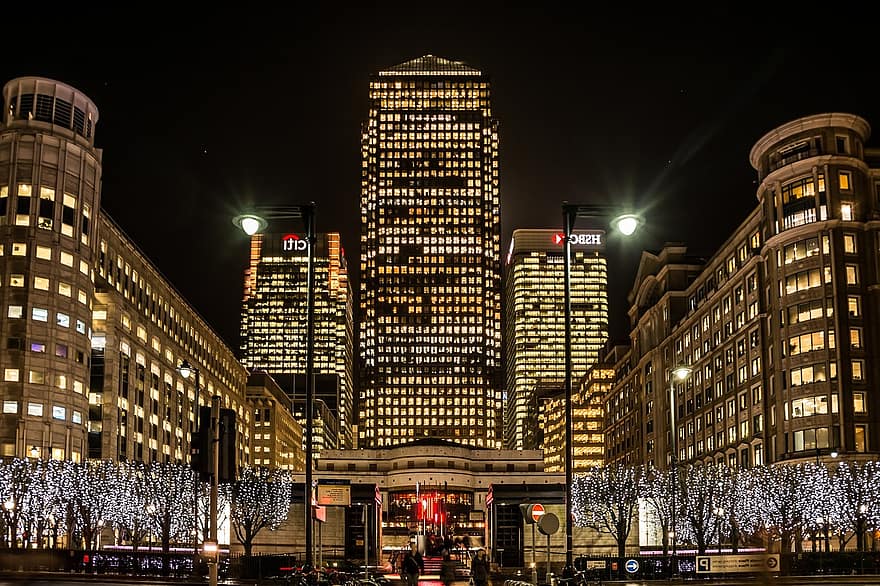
(200, 117)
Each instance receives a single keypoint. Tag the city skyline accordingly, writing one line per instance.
(666, 123)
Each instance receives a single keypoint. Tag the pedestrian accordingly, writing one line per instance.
(447, 569)
(411, 566)
(480, 569)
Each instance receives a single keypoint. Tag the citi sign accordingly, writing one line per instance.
(293, 243)
(579, 239)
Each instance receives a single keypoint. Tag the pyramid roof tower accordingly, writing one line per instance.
(431, 65)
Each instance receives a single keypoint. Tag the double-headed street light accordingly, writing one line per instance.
(626, 224)
(257, 222)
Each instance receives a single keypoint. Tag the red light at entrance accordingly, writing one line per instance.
(558, 238)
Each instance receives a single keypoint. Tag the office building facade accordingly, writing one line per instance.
(274, 324)
(779, 326)
(94, 335)
(535, 321)
(430, 335)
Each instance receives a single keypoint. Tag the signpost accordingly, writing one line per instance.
(532, 513)
(631, 566)
(548, 525)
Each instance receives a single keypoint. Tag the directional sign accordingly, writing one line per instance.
(631, 566)
(745, 563)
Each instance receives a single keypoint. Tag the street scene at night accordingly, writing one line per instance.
(410, 295)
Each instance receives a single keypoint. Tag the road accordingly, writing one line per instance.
(80, 580)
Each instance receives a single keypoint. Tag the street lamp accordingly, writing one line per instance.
(680, 374)
(186, 370)
(626, 224)
(257, 222)
(832, 453)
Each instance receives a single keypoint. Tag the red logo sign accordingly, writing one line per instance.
(292, 242)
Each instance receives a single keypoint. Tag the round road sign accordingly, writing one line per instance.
(537, 512)
(631, 566)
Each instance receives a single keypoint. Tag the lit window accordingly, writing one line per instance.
(861, 438)
(849, 243)
(10, 406)
(41, 283)
(852, 275)
(44, 252)
(14, 311)
(19, 249)
(76, 417)
(846, 212)
(39, 314)
(37, 377)
(854, 306)
(10, 375)
(66, 259)
(845, 180)
(35, 409)
(65, 289)
(858, 369)
(16, 280)
(859, 403)
(62, 319)
(59, 412)
(38, 347)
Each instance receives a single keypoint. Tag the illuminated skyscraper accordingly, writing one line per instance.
(273, 326)
(430, 333)
(535, 326)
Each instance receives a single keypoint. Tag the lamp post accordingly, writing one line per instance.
(9, 506)
(680, 373)
(186, 370)
(626, 224)
(719, 513)
(257, 222)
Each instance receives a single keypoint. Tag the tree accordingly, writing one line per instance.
(132, 500)
(260, 499)
(657, 492)
(782, 501)
(607, 499)
(857, 494)
(703, 492)
(15, 480)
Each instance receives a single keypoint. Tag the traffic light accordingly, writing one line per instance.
(227, 468)
(200, 450)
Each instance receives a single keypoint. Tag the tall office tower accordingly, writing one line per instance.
(430, 334)
(50, 175)
(273, 324)
(535, 321)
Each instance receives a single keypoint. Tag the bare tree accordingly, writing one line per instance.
(704, 490)
(260, 499)
(657, 492)
(856, 496)
(607, 499)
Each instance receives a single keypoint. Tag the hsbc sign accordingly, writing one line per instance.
(293, 243)
(585, 239)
